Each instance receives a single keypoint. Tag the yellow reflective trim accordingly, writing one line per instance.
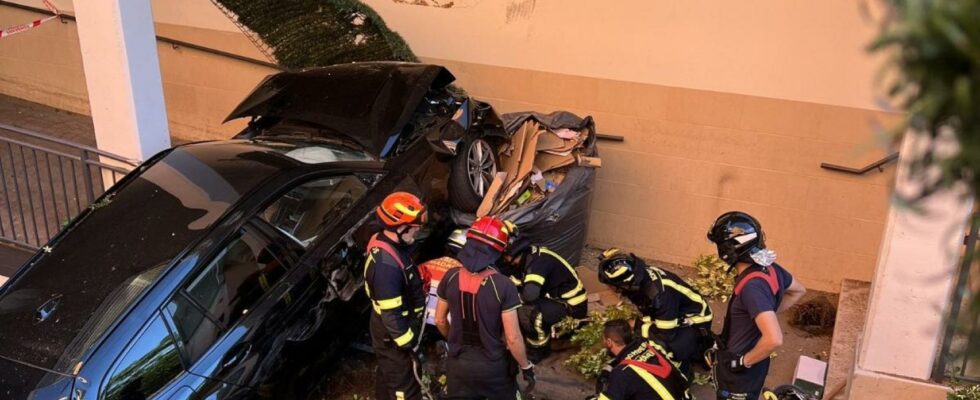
(399, 395)
(666, 323)
(667, 354)
(610, 252)
(539, 327)
(404, 339)
(690, 294)
(388, 304)
(619, 272)
(603, 397)
(573, 292)
(653, 382)
(645, 328)
(407, 211)
(517, 282)
(578, 286)
(534, 278)
(697, 319)
(578, 299)
(418, 310)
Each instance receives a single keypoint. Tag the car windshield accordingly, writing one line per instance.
(315, 153)
(76, 289)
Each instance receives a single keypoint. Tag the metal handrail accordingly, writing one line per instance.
(43, 187)
(855, 171)
(171, 41)
(946, 354)
(39, 136)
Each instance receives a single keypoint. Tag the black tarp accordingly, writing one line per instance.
(560, 221)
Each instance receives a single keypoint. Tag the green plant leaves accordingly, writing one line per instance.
(714, 279)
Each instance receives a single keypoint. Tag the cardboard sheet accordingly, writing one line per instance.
(491, 196)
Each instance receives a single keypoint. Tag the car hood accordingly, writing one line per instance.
(369, 103)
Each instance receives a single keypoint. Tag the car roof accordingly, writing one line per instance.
(91, 272)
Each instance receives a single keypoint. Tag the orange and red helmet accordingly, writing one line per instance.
(493, 231)
(402, 208)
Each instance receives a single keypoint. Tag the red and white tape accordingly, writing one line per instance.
(13, 30)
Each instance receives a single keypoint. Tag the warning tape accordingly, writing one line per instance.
(13, 30)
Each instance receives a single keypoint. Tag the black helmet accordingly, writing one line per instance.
(738, 236)
(617, 269)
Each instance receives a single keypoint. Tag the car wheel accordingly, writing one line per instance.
(473, 169)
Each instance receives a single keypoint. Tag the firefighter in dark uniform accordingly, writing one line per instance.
(762, 288)
(482, 305)
(641, 369)
(393, 284)
(550, 289)
(673, 311)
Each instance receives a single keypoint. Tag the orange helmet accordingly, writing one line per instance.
(402, 208)
(492, 231)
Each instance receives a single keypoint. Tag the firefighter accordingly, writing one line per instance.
(550, 290)
(641, 369)
(393, 284)
(762, 288)
(482, 305)
(673, 311)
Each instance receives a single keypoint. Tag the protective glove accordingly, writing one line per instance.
(734, 362)
(529, 377)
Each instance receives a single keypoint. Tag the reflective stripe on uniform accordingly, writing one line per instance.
(405, 338)
(653, 382)
(575, 296)
(603, 397)
(399, 395)
(534, 278)
(574, 301)
(705, 314)
(539, 328)
(388, 304)
(661, 324)
(517, 282)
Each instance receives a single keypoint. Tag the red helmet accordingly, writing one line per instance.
(492, 231)
(402, 208)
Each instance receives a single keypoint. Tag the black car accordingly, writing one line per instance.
(224, 269)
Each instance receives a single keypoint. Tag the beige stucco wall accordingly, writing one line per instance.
(690, 155)
(789, 88)
(44, 65)
(801, 50)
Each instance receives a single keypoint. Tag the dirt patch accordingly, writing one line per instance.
(815, 317)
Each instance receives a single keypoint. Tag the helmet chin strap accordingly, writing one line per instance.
(400, 234)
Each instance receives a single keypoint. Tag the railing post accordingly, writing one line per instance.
(87, 177)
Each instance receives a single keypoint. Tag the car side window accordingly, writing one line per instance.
(304, 212)
(150, 363)
(221, 293)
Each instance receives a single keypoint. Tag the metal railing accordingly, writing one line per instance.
(879, 165)
(46, 181)
(959, 359)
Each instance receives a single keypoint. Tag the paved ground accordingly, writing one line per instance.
(11, 258)
(73, 127)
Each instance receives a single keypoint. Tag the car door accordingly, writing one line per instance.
(236, 312)
(221, 314)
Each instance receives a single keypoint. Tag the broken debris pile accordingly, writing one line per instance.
(547, 174)
(534, 164)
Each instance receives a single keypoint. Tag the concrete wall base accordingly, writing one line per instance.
(869, 385)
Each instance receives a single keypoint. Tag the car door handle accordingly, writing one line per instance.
(240, 354)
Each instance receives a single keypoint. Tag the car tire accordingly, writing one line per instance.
(472, 172)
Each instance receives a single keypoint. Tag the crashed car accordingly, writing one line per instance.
(224, 269)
